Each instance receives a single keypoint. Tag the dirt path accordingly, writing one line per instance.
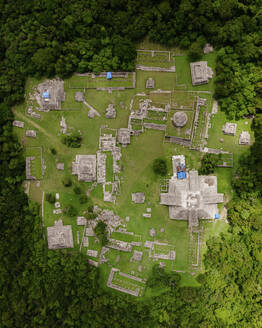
(22, 116)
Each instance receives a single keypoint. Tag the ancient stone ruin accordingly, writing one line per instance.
(28, 168)
(150, 83)
(60, 166)
(110, 111)
(208, 48)
(137, 256)
(200, 72)
(30, 133)
(81, 221)
(60, 236)
(179, 119)
(63, 125)
(50, 94)
(85, 167)
(123, 136)
(229, 128)
(107, 142)
(138, 198)
(18, 124)
(190, 196)
(244, 138)
(79, 96)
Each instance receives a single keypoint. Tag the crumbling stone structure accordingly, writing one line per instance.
(123, 136)
(85, 167)
(150, 83)
(18, 124)
(28, 168)
(138, 198)
(244, 138)
(30, 133)
(191, 197)
(179, 119)
(49, 94)
(110, 111)
(200, 72)
(229, 128)
(208, 48)
(60, 236)
(79, 96)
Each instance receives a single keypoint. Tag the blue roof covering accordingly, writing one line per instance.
(46, 94)
(109, 75)
(217, 216)
(181, 175)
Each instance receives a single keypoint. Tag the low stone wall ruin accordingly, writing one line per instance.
(155, 126)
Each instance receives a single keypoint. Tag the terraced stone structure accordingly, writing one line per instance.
(18, 124)
(123, 136)
(138, 198)
(192, 197)
(60, 236)
(85, 167)
(179, 119)
(150, 83)
(230, 128)
(200, 72)
(50, 94)
(244, 138)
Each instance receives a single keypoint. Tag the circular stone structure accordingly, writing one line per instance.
(179, 119)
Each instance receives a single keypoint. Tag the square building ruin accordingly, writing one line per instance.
(60, 236)
(191, 197)
(244, 138)
(18, 124)
(230, 128)
(85, 167)
(200, 72)
(123, 136)
(49, 94)
(138, 198)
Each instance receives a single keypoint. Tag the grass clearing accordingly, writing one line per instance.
(137, 159)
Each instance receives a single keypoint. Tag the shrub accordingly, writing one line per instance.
(50, 198)
(74, 140)
(90, 209)
(160, 166)
(77, 190)
(83, 199)
(208, 163)
(53, 151)
(71, 211)
(101, 233)
(67, 182)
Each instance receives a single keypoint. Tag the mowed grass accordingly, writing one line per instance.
(163, 80)
(184, 75)
(86, 82)
(36, 164)
(137, 173)
(183, 132)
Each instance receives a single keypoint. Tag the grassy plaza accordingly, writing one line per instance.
(136, 173)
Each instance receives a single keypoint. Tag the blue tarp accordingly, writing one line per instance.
(181, 175)
(46, 95)
(217, 216)
(109, 75)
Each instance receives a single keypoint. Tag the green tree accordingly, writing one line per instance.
(160, 166)
(101, 232)
(208, 163)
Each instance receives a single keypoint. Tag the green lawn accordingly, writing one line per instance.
(36, 164)
(163, 80)
(87, 82)
(185, 131)
(184, 75)
(137, 173)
